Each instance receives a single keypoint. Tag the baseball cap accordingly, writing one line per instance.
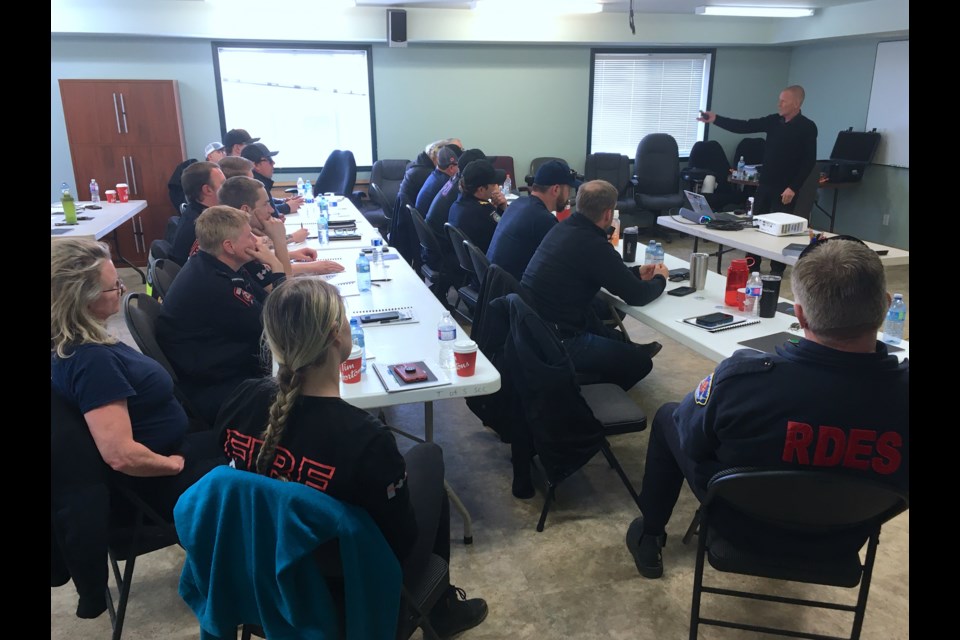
(448, 156)
(556, 172)
(210, 148)
(480, 173)
(469, 156)
(237, 136)
(257, 151)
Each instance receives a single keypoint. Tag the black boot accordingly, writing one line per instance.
(454, 614)
(645, 550)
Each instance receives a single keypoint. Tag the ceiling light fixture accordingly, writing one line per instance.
(755, 12)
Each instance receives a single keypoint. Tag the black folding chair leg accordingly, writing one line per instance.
(546, 506)
(693, 529)
(612, 460)
(697, 587)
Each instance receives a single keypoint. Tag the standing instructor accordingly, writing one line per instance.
(789, 155)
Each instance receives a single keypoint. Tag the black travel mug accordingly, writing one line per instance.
(630, 244)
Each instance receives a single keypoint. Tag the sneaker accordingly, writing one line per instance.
(645, 550)
(651, 349)
(455, 614)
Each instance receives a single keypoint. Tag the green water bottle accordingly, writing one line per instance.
(69, 205)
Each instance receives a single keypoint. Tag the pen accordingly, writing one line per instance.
(381, 280)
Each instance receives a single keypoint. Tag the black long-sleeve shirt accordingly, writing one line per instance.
(571, 265)
(789, 153)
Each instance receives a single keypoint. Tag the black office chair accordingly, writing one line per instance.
(387, 175)
(438, 280)
(615, 169)
(656, 177)
(707, 158)
(536, 163)
(164, 272)
(95, 517)
(140, 313)
(809, 526)
(380, 199)
(505, 163)
(479, 260)
(468, 292)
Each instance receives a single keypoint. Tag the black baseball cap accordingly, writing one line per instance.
(556, 172)
(480, 173)
(256, 152)
(237, 136)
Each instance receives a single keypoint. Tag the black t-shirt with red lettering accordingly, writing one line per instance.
(329, 445)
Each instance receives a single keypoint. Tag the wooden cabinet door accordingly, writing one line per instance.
(150, 167)
(103, 163)
(150, 111)
(91, 111)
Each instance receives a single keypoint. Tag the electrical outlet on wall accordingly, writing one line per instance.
(886, 220)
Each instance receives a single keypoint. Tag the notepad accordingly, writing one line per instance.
(738, 321)
(406, 316)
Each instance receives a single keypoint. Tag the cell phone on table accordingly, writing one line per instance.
(681, 291)
(409, 372)
(383, 316)
(714, 319)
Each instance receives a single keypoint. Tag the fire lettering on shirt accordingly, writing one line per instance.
(860, 449)
(243, 449)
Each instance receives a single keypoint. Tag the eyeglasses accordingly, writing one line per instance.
(120, 287)
(820, 240)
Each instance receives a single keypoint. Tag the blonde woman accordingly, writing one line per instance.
(126, 398)
(296, 427)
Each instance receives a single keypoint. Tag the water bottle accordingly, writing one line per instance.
(650, 255)
(69, 204)
(507, 185)
(363, 273)
(323, 223)
(300, 188)
(94, 191)
(658, 256)
(741, 169)
(356, 336)
(893, 325)
(446, 336)
(377, 243)
(751, 301)
(307, 192)
(615, 223)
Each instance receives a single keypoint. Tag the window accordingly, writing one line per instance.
(303, 101)
(633, 93)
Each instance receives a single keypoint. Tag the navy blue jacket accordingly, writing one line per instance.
(186, 234)
(570, 266)
(478, 219)
(279, 206)
(522, 227)
(429, 190)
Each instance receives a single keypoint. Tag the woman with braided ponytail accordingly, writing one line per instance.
(297, 428)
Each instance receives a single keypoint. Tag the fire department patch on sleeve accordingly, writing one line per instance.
(393, 487)
(702, 394)
(243, 296)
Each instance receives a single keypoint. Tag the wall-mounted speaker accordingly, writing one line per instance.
(396, 28)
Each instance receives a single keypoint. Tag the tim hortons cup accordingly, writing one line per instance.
(465, 355)
(350, 368)
(123, 192)
(111, 195)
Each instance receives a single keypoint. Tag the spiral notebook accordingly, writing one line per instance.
(738, 321)
(407, 316)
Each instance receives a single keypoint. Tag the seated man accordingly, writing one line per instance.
(527, 220)
(571, 265)
(236, 166)
(201, 181)
(210, 326)
(446, 169)
(213, 152)
(439, 213)
(755, 409)
(249, 196)
(262, 159)
(477, 209)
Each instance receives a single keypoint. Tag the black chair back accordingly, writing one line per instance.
(164, 272)
(479, 260)
(657, 166)
(339, 174)
(751, 149)
(387, 175)
(457, 238)
(380, 199)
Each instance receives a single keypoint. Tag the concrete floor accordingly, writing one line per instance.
(576, 578)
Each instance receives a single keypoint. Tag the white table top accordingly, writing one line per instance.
(397, 343)
(306, 216)
(763, 244)
(664, 315)
(102, 222)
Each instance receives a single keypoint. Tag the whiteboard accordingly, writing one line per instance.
(889, 109)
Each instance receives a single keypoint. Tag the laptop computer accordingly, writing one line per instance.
(699, 207)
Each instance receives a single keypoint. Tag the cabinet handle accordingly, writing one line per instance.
(141, 244)
(133, 174)
(116, 112)
(126, 176)
(123, 110)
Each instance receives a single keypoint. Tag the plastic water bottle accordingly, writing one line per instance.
(363, 273)
(754, 289)
(377, 243)
(741, 169)
(893, 325)
(446, 336)
(323, 223)
(307, 192)
(658, 258)
(507, 185)
(69, 204)
(650, 255)
(300, 184)
(356, 336)
(94, 191)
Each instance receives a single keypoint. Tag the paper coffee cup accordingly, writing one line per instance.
(111, 195)
(465, 355)
(350, 368)
(123, 192)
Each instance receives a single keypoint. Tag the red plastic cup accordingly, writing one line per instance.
(123, 192)
(350, 368)
(741, 296)
(465, 355)
(111, 195)
(563, 214)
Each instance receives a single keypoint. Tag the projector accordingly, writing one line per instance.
(780, 224)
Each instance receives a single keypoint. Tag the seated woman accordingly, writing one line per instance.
(296, 427)
(126, 398)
